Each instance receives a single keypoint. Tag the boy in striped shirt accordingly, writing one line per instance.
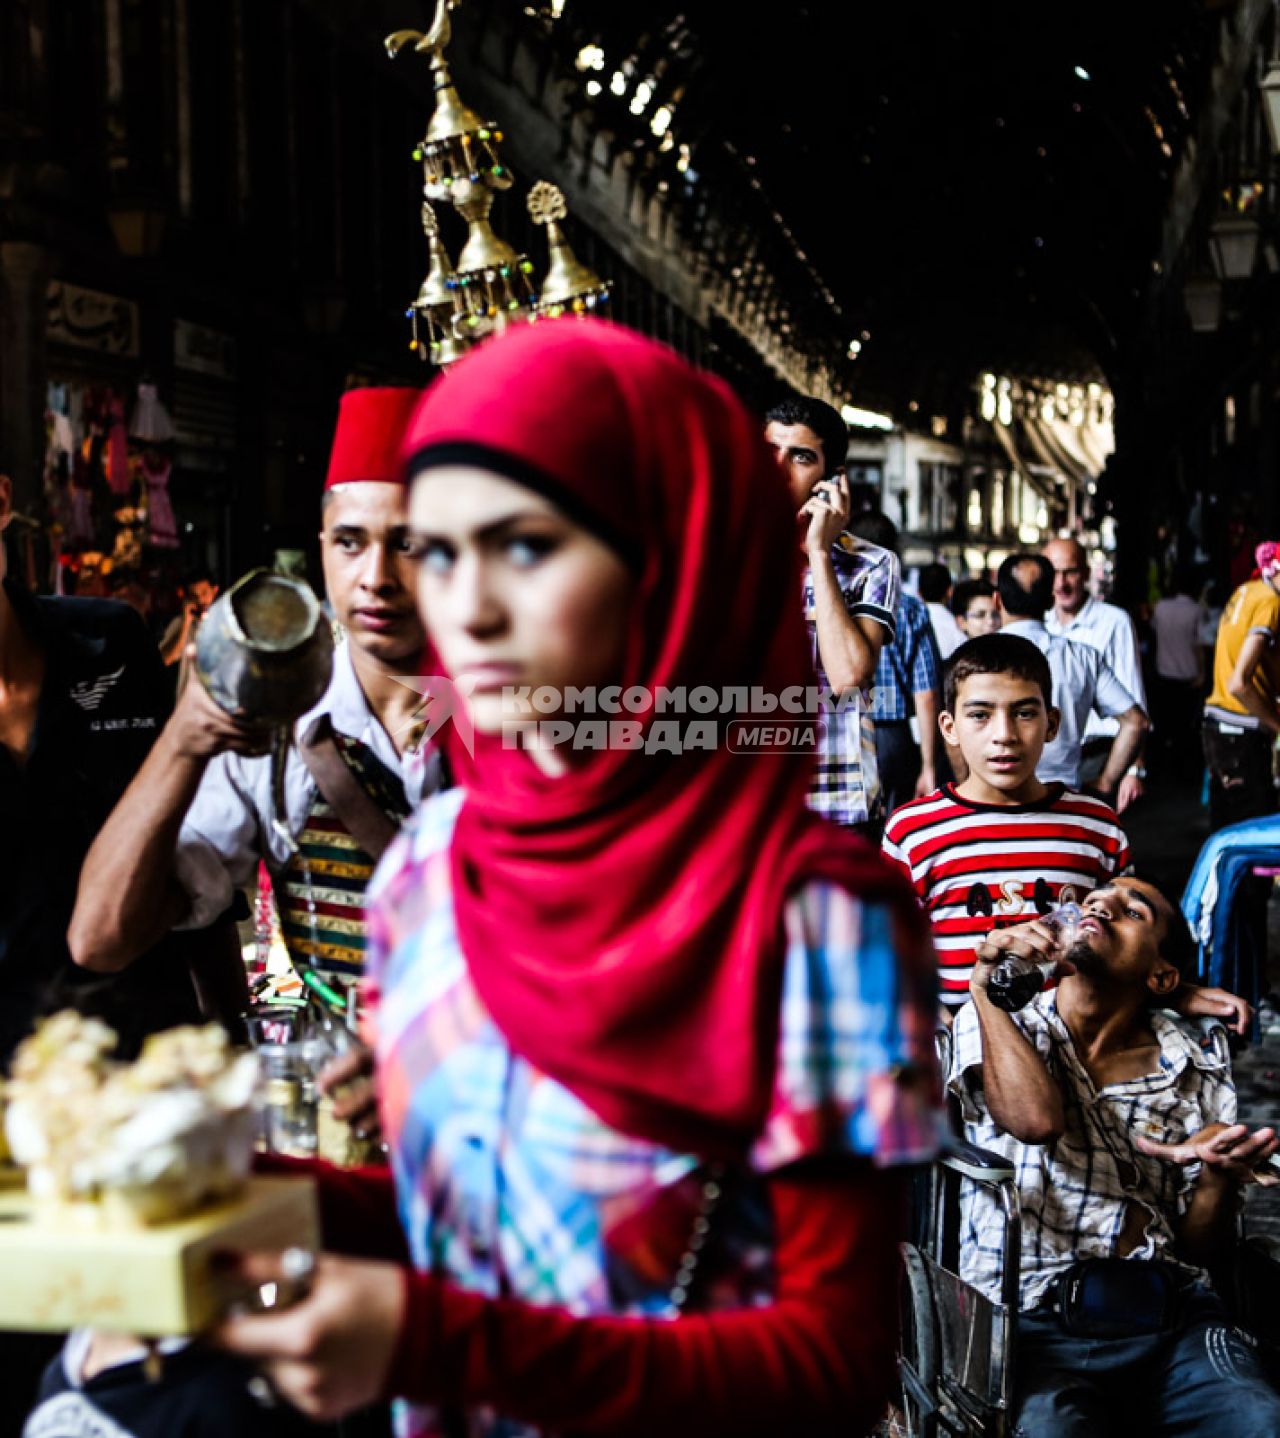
(1001, 847)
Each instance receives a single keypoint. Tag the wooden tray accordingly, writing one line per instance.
(61, 1271)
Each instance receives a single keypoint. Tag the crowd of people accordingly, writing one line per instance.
(649, 1015)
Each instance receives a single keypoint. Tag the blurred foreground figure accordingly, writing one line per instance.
(614, 983)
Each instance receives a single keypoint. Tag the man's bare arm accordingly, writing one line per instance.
(1230, 1157)
(128, 896)
(848, 645)
(1021, 1094)
(1125, 748)
(1255, 650)
(926, 702)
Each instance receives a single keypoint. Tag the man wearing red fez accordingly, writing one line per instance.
(193, 825)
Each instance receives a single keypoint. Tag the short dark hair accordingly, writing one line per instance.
(876, 528)
(935, 580)
(1176, 947)
(1183, 580)
(963, 595)
(824, 421)
(996, 654)
(1018, 599)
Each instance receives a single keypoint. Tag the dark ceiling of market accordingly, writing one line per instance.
(979, 185)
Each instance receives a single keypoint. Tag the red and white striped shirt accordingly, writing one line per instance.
(977, 867)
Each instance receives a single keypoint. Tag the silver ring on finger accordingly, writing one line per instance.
(262, 1391)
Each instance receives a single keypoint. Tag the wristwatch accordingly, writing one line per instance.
(1135, 771)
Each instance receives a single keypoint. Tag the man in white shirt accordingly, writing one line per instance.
(1106, 627)
(1083, 683)
(202, 811)
(1180, 673)
(935, 590)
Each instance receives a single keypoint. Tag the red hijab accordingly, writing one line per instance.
(623, 923)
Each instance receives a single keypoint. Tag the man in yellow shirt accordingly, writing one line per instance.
(1241, 717)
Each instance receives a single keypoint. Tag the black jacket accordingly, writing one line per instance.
(102, 703)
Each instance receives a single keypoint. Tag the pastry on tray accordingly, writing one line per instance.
(144, 1142)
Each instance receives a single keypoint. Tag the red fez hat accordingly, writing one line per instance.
(371, 426)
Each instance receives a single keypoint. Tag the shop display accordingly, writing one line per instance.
(107, 488)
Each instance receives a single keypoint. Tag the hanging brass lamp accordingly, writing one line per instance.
(492, 284)
(570, 286)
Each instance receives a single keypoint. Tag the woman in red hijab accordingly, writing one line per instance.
(652, 1038)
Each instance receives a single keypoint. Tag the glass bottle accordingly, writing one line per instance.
(1015, 981)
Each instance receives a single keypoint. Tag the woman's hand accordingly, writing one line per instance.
(330, 1353)
(348, 1079)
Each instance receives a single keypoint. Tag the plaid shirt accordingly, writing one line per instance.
(1075, 1193)
(909, 663)
(510, 1186)
(846, 783)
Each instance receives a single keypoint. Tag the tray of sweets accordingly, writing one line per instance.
(68, 1265)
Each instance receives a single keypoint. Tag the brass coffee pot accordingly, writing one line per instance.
(265, 649)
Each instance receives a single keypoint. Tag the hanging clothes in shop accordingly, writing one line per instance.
(117, 466)
(162, 523)
(60, 441)
(80, 531)
(151, 421)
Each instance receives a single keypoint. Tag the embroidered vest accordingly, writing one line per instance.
(321, 892)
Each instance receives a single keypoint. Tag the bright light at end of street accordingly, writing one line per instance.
(865, 418)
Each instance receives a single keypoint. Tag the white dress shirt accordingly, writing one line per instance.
(229, 828)
(1107, 628)
(1083, 683)
(945, 629)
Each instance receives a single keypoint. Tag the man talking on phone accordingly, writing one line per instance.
(850, 599)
